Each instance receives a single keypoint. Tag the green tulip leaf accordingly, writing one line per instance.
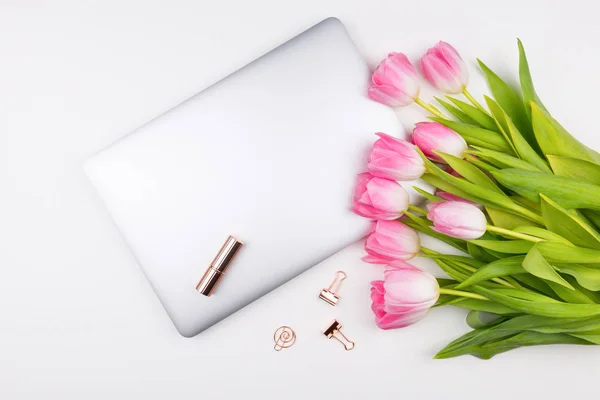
(422, 221)
(536, 264)
(570, 295)
(593, 217)
(533, 205)
(427, 195)
(482, 165)
(444, 185)
(588, 278)
(555, 140)
(503, 160)
(569, 225)
(495, 269)
(505, 246)
(499, 117)
(543, 324)
(527, 89)
(456, 112)
(470, 172)
(592, 338)
(575, 168)
(471, 342)
(594, 295)
(538, 304)
(485, 306)
(510, 102)
(507, 220)
(517, 324)
(474, 192)
(471, 262)
(458, 274)
(480, 253)
(535, 283)
(524, 339)
(443, 282)
(476, 136)
(567, 192)
(483, 119)
(541, 233)
(555, 252)
(523, 147)
(481, 319)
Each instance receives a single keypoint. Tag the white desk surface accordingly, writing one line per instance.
(78, 319)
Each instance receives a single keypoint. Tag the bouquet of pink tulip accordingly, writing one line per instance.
(516, 194)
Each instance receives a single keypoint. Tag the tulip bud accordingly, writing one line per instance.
(389, 241)
(444, 68)
(395, 159)
(404, 295)
(394, 82)
(379, 198)
(433, 136)
(457, 219)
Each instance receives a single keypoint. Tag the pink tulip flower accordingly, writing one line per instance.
(394, 82)
(395, 159)
(379, 198)
(433, 136)
(457, 219)
(404, 295)
(389, 241)
(444, 68)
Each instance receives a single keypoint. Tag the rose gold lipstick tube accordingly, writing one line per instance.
(217, 267)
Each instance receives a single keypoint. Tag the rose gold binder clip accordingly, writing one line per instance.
(334, 332)
(330, 294)
(284, 337)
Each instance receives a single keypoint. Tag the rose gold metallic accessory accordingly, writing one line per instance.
(284, 337)
(330, 294)
(217, 267)
(334, 332)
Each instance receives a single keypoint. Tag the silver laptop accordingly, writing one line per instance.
(269, 155)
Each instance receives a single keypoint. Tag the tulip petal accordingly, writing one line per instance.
(395, 321)
(433, 137)
(372, 259)
(444, 68)
(457, 219)
(394, 81)
(392, 240)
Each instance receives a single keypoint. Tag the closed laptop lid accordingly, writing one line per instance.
(269, 155)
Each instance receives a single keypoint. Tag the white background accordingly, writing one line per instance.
(77, 318)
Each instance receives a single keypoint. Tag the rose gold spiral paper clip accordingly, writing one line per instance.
(330, 294)
(284, 337)
(334, 332)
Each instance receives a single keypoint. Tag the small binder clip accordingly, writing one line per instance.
(334, 331)
(330, 294)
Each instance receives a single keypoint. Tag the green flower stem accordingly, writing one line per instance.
(517, 235)
(417, 209)
(461, 293)
(430, 108)
(466, 93)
